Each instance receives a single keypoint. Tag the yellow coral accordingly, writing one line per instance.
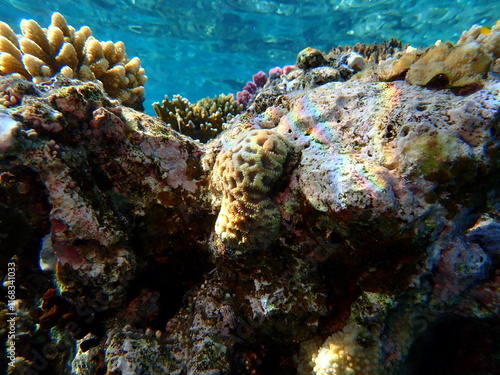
(463, 65)
(41, 53)
(353, 351)
(203, 120)
(246, 174)
(396, 68)
(466, 64)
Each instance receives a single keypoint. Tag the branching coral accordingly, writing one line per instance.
(246, 174)
(203, 120)
(42, 53)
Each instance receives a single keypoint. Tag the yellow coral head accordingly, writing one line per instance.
(246, 173)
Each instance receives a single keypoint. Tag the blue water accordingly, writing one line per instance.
(202, 48)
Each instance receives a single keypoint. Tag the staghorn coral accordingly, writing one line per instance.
(203, 120)
(246, 173)
(354, 351)
(40, 54)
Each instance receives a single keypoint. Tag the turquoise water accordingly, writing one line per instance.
(202, 48)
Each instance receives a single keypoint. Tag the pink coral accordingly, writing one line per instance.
(260, 78)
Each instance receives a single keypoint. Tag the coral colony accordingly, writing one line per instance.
(338, 216)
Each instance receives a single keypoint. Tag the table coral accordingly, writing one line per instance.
(42, 53)
(341, 224)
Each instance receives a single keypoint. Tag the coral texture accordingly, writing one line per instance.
(246, 172)
(445, 64)
(203, 120)
(373, 53)
(353, 351)
(40, 54)
(462, 65)
(342, 224)
(258, 81)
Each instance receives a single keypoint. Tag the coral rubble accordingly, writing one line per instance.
(345, 223)
(42, 53)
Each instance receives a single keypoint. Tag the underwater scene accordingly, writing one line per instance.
(250, 187)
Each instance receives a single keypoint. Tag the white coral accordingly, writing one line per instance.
(353, 351)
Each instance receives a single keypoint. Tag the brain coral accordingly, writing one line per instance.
(354, 351)
(41, 53)
(246, 173)
(203, 120)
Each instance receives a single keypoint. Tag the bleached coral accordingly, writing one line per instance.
(40, 54)
(354, 351)
(246, 172)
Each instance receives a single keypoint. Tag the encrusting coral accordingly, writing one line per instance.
(246, 172)
(464, 65)
(202, 120)
(40, 54)
(372, 53)
(461, 65)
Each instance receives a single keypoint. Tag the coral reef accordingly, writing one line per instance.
(203, 120)
(40, 54)
(341, 224)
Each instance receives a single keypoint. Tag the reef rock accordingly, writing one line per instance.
(344, 227)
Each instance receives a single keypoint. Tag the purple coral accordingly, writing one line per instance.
(245, 96)
(251, 87)
(259, 80)
(277, 71)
